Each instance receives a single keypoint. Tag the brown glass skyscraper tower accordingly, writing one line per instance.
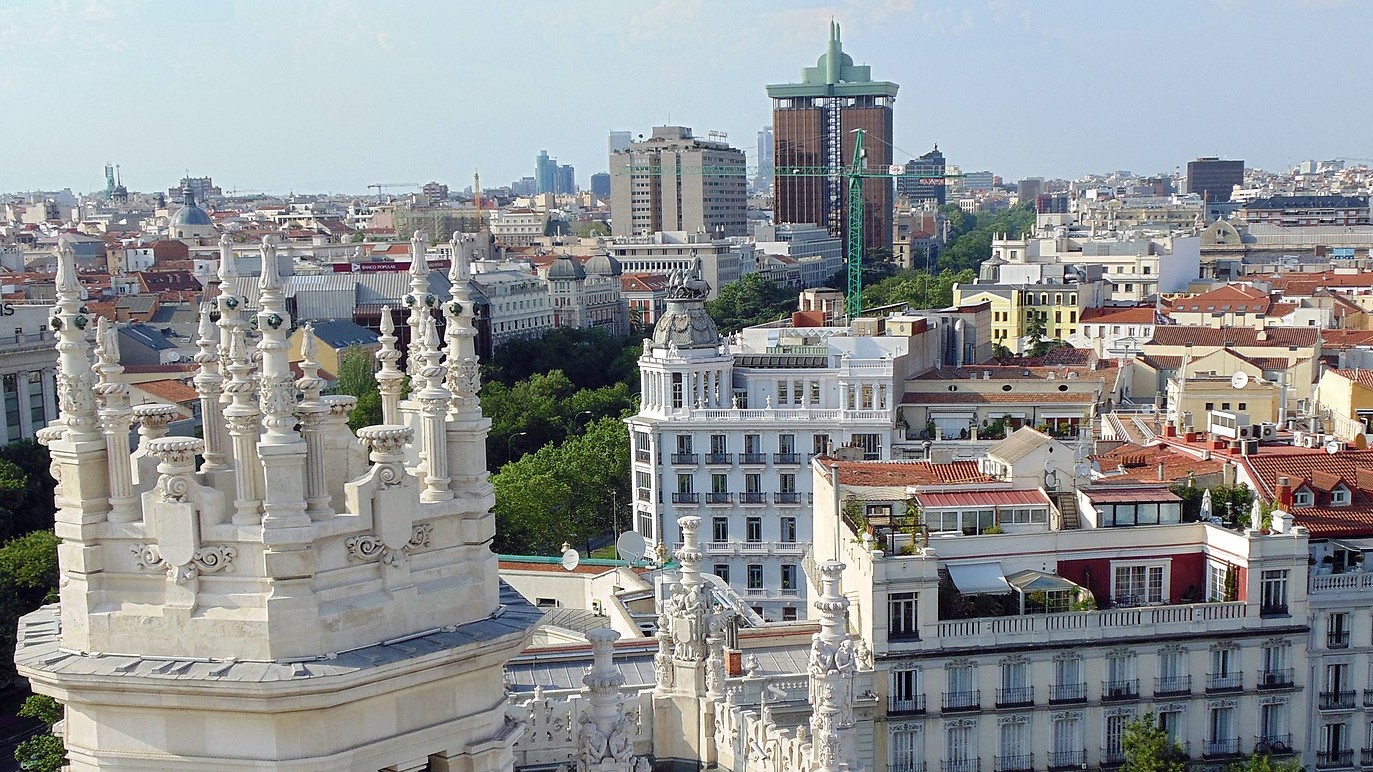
(813, 126)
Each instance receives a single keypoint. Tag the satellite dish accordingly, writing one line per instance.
(631, 546)
(1239, 380)
(1332, 447)
(570, 559)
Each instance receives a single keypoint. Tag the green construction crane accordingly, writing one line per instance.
(856, 173)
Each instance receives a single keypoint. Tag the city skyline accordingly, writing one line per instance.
(329, 97)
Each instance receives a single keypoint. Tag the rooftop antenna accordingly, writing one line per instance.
(571, 558)
(631, 546)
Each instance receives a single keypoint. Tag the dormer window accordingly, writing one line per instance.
(1339, 497)
(1303, 498)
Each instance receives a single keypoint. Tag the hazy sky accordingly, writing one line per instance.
(331, 96)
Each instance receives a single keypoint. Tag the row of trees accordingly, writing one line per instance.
(1148, 748)
(970, 235)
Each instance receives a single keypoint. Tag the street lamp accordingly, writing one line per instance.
(510, 443)
(578, 416)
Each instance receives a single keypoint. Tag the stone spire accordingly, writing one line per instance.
(75, 379)
(242, 418)
(209, 383)
(432, 397)
(390, 380)
(116, 416)
(419, 300)
(230, 309)
(686, 611)
(464, 381)
(313, 412)
(277, 398)
(605, 734)
(833, 659)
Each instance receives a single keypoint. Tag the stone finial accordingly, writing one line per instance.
(390, 380)
(228, 264)
(270, 277)
(460, 270)
(310, 384)
(419, 261)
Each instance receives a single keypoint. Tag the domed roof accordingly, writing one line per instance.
(685, 324)
(191, 214)
(566, 267)
(603, 265)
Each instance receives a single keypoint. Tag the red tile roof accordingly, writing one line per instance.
(1132, 463)
(1316, 469)
(888, 473)
(1276, 337)
(1140, 315)
(1134, 493)
(1362, 377)
(171, 391)
(1342, 339)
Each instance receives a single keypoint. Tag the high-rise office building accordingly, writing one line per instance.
(600, 185)
(545, 173)
(924, 188)
(814, 124)
(1214, 179)
(565, 180)
(674, 181)
(619, 141)
(766, 152)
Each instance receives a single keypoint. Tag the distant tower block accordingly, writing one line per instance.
(286, 604)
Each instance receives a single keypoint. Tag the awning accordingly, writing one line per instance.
(1039, 581)
(937, 413)
(1060, 414)
(979, 578)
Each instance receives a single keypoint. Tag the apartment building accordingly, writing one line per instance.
(28, 370)
(674, 181)
(1022, 628)
(726, 429)
(722, 261)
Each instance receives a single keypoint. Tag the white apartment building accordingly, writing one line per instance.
(28, 371)
(519, 304)
(726, 428)
(1134, 265)
(818, 255)
(518, 227)
(722, 261)
(1031, 645)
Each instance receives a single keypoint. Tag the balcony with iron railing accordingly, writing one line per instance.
(719, 498)
(962, 702)
(786, 458)
(1112, 757)
(1279, 678)
(753, 459)
(906, 766)
(1063, 760)
(1224, 682)
(1336, 759)
(1366, 757)
(1337, 639)
(1221, 748)
(1066, 693)
(914, 703)
(753, 497)
(1368, 698)
(1274, 744)
(1341, 699)
(686, 498)
(1170, 686)
(1017, 762)
(786, 498)
(1016, 696)
(715, 459)
(1123, 689)
(960, 765)
(684, 459)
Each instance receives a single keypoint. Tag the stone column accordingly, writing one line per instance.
(433, 399)
(116, 417)
(833, 660)
(209, 383)
(313, 413)
(390, 380)
(605, 735)
(243, 420)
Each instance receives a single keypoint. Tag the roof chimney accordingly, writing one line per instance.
(1161, 476)
(1283, 494)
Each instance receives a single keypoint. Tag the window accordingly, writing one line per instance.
(786, 444)
(1113, 732)
(676, 389)
(1015, 745)
(1066, 747)
(645, 527)
(1138, 584)
(1223, 674)
(1068, 685)
(906, 693)
(1015, 684)
(1220, 582)
(901, 616)
(722, 570)
(753, 483)
(753, 529)
(719, 444)
(643, 484)
(1173, 722)
(789, 577)
(961, 685)
(906, 748)
(788, 530)
(1221, 724)
(719, 483)
(871, 445)
(815, 392)
(958, 745)
(1303, 498)
(787, 482)
(1172, 671)
(1120, 674)
(755, 576)
(753, 444)
(789, 614)
(719, 529)
(1339, 497)
(686, 483)
(641, 446)
(1273, 592)
(1337, 630)
(820, 444)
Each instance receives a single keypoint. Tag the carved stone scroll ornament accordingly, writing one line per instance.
(369, 547)
(209, 559)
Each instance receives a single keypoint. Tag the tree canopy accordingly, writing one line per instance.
(589, 359)
(970, 235)
(564, 492)
(916, 289)
(754, 299)
(1149, 749)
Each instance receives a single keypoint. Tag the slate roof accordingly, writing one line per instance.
(147, 337)
(1308, 202)
(342, 333)
(39, 648)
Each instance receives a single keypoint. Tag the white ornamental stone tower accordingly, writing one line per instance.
(281, 595)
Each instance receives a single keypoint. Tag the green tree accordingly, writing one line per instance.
(754, 299)
(1149, 749)
(568, 492)
(968, 246)
(43, 752)
(26, 502)
(28, 579)
(589, 358)
(916, 289)
(356, 377)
